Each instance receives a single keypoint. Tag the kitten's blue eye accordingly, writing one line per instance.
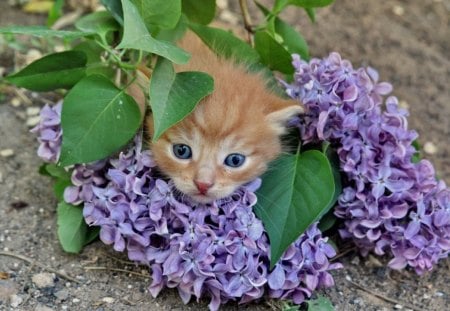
(234, 160)
(182, 151)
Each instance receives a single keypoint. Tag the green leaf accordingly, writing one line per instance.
(294, 194)
(272, 53)
(292, 41)
(91, 235)
(43, 170)
(100, 23)
(225, 44)
(201, 12)
(136, 36)
(97, 119)
(71, 227)
(59, 187)
(174, 95)
(42, 31)
(95, 65)
(57, 171)
(175, 34)
(54, 71)
(311, 3)
(417, 156)
(322, 303)
(160, 13)
(115, 8)
(278, 6)
(55, 12)
(311, 14)
(327, 221)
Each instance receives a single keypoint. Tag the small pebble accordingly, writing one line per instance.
(398, 307)
(15, 102)
(33, 121)
(32, 55)
(76, 300)
(108, 299)
(426, 296)
(355, 260)
(42, 308)
(348, 278)
(222, 4)
(398, 10)
(15, 300)
(64, 307)
(229, 17)
(439, 294)
(130, 286)
(6, 153)
(61, 295)
(430, 147)
(42, 280)
(33, 111)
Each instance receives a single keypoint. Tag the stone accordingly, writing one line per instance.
(42, 308)
(62, 295)
(108, 299)
(6, 153)
(42, 280)
(15, 300)
(7, 288)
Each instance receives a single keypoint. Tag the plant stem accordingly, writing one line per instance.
(247, 20)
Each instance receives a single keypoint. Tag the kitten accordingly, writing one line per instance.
(231, 135)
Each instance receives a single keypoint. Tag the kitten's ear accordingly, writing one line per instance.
(282, 112)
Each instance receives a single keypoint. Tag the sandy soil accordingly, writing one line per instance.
(407, 41)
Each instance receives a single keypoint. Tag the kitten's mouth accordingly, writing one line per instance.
(202, 198)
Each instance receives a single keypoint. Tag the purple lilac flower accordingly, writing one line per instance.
(218, 250)
(390, 205)
(50, 134)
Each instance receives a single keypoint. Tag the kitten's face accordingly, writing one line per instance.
(216, 149)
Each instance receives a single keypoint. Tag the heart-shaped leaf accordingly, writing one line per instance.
(136, 36)
(174, 95)
(292, 40)
(97, 119)
(42, 31)
(161, 13)
(100, 23)
(201, 12)
(115, 8)
(71, 227)
(226, 44)
(272, 53)
(295, 193)
(54, 71)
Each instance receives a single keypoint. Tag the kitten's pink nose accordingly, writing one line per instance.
(203, 187)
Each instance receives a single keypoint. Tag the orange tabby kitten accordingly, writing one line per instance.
(231, 135)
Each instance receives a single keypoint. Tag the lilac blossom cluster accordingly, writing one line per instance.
(219, 250)
(49, 133)
(390, 204)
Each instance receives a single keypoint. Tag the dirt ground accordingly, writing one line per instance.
(407, 41)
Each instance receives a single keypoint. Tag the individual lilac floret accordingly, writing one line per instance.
(390, 204)
(49, 133)
(218, 251)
